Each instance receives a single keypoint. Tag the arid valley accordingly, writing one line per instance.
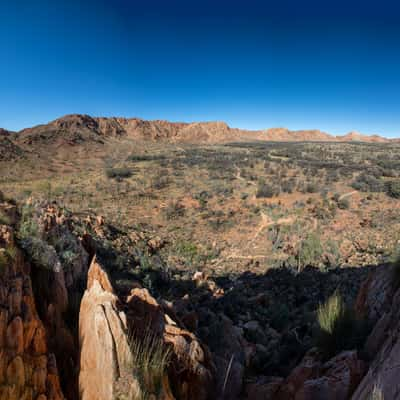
(192, 261)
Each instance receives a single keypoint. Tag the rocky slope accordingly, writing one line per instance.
(61, 310)
(28, 366)
(73, 301)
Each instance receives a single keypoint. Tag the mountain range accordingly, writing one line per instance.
(76, 129)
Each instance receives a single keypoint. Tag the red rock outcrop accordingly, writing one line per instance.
(382, 304)
(28, 368)
(103, 336)
(104, 325)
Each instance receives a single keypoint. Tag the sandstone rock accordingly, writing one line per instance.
(39, 343)
(16, 372)
(15, 336)
(103, 338)
(191, 371)
(97, 273)
(374, 296)
(384, 345)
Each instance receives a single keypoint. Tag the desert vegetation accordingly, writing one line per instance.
(273, 239)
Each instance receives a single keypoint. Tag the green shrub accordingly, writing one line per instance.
(188, 251)
(42, 254)
(28, 226)
(310, 251)
(338, 327)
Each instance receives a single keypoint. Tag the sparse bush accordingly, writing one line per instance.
(118, 173)
(288, 185)
(28, 226)
(343, 204)
(160, 182)
(187, 250)
(202, 198)
(310, 251)
(265, 190)
(174, 209)
(393, 189)
(146, 157)
(47, 189)
(368, 183)
(338, 327)
(311, 187)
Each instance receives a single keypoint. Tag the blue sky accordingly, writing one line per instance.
(332, 65)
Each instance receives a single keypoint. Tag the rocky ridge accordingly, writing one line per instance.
(76, 128)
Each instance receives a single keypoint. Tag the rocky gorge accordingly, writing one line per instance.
(79, 297)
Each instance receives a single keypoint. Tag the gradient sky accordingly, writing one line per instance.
(332, 65)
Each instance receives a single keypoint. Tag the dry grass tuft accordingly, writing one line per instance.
(149, 360)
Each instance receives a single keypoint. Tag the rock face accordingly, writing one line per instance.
(28, 368)
(104, 325)
(103, 338)
(383, 344)
(60, 265)
(335, 379)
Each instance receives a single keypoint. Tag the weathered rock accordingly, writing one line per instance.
(229, 355)
(383, 345)
(103, 338)
(15, 336)
(191, 371)
(375, 294)
(339, 377)
(23, 339)
(309, 368)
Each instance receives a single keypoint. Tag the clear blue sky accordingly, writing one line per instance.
(332, 65)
